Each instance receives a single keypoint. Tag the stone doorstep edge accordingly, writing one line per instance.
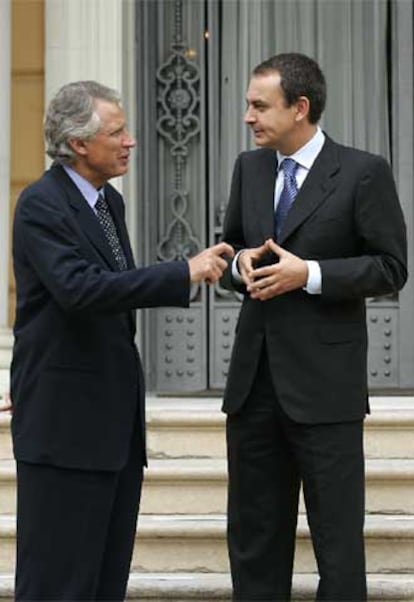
(217, 586)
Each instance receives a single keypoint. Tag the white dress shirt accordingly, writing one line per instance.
(305, 158)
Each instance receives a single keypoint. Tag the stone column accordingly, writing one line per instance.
(94, 39)
(83, 41)
(5, 85)
(90, 40)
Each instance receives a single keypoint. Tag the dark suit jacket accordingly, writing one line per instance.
(77, 385)
(348, 218)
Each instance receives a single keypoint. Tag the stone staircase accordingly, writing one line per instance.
(180, 552)
(6, 342)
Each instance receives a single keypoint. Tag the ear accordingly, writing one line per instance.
(78, 146)
(302, 108)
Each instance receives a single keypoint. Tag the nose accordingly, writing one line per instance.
(128, 140)
(249, 116)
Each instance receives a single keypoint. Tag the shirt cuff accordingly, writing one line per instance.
(314, 283)
(235, 270)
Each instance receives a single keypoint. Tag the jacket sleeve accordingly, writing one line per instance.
(380, 266)
(50, 259)
(233, 228)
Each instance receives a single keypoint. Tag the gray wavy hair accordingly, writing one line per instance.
(71, 114)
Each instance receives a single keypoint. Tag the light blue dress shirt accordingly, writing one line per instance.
(88, 191)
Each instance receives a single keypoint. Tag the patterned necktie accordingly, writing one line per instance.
(288, 194)
(105, 219)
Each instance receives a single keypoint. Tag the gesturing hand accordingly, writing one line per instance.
(209, 264)
(288, 274)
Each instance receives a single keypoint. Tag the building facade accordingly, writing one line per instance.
(182, 67)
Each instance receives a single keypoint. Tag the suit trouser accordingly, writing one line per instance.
(269, 456)
(76, 530)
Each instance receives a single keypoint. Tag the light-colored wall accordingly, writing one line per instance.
(53, 42)
(27, 104)
(5, 36)
(83, 41)
(94, 39)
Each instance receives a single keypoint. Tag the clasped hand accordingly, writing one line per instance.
(290, 272)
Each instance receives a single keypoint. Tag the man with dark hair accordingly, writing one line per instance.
(77, 385)
(317, 228)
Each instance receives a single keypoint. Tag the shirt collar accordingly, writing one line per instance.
(307, 154)
(88, 191)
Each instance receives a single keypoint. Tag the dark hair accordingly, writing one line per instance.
(300, 76)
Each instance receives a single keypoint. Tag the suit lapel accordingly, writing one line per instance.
(90, 227)
(85, 217)
(317, 187)
(265, 176)
(117, 215)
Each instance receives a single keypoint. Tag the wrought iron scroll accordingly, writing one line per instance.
(178, 123)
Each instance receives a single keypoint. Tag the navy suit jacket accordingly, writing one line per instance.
(77, 384)
(347, 217)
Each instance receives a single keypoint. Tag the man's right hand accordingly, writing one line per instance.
(209, 264)
(247, 260)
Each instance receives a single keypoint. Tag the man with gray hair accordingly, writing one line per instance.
(77, 387)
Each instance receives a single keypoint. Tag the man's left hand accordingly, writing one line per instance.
(288, 274)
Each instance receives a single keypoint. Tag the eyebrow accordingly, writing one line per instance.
(112, 129)
(256, 101)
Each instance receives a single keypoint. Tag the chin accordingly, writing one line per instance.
(261, 142)
(258, 141)
(120, 172)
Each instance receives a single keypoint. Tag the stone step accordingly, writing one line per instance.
(5, 436)
(215, 587)
(389, 429)
(200, 486)
(4, 383)
(5, 358)
(182, 427)
(197, 486)
(6, 338)
(6, 345)
(186, 427)
(196, 543)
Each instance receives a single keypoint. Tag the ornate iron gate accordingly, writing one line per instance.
(183, 183)
(170, 68)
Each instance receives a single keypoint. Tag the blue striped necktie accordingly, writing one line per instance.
(288, 194)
